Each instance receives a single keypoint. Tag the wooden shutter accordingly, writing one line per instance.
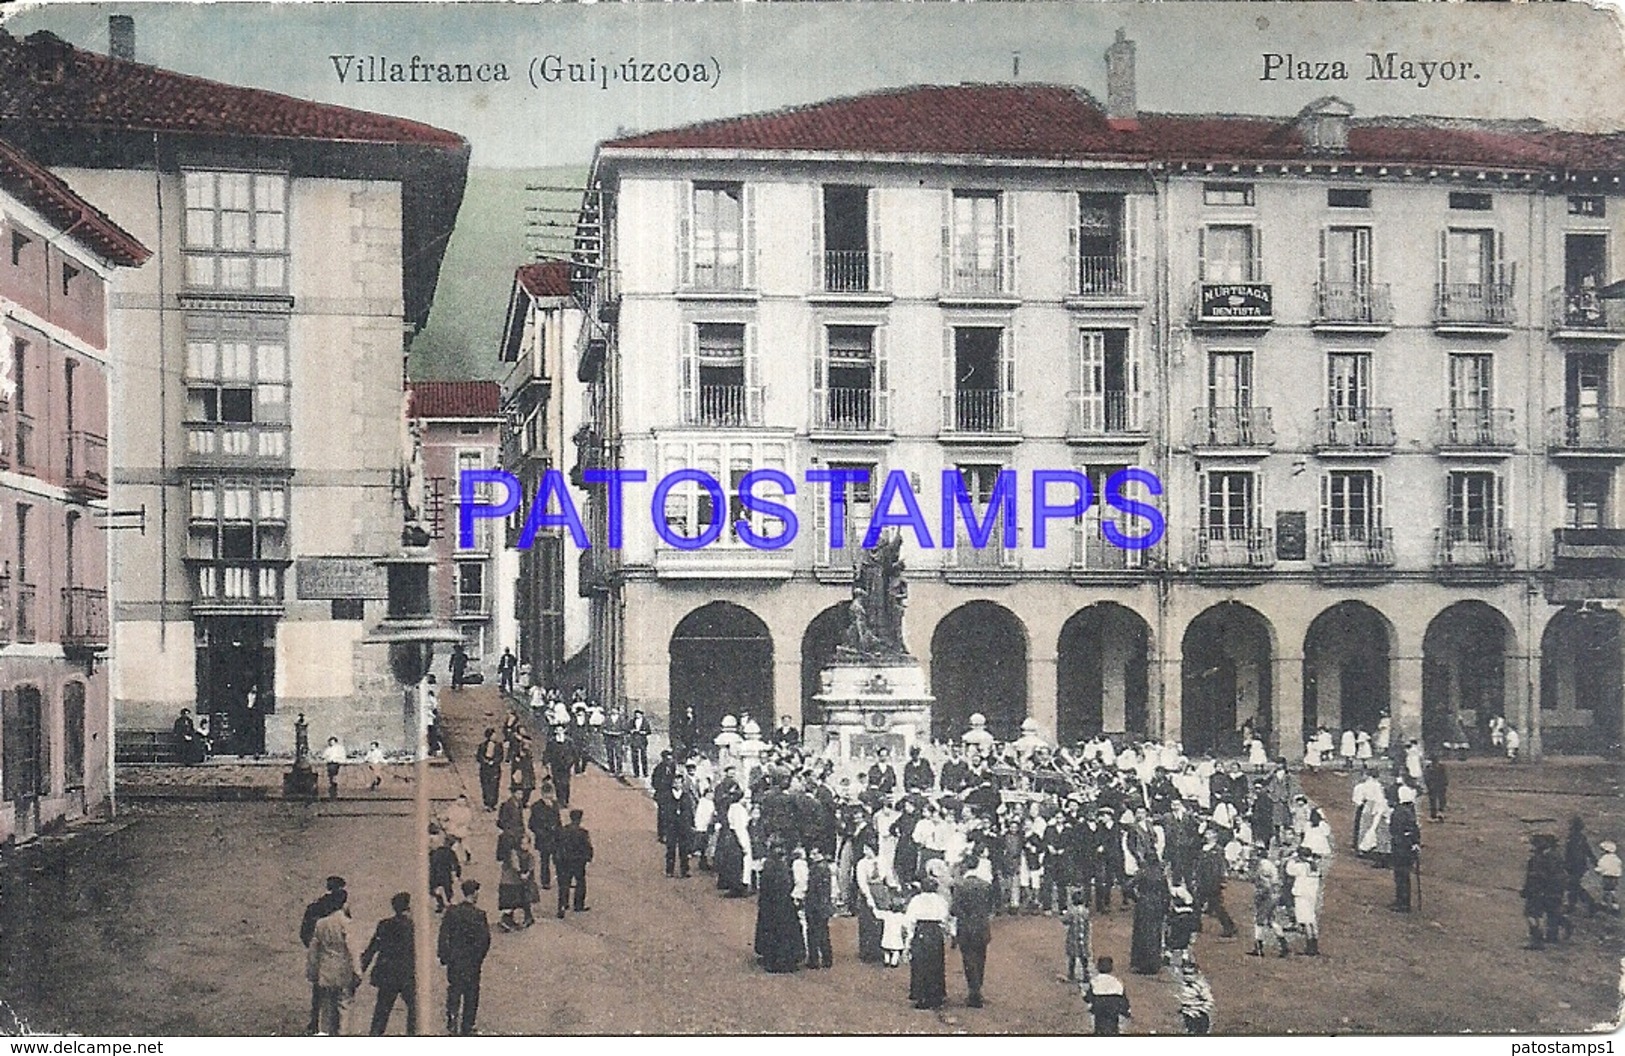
(878, 279)
(1201, 254)
(1007, 242)
(685, 238)
(1131, 249)
(1444, 257)
(1324, 276)
(1131, 380)
(1257, 262)
(1325, 507)
(950, 380)
(819, 267)
(821, 552)
(1362, 256)
(947, 241)
(689, 376)
(1500, 510)
(1091, 381)
(820, 375)
(747, 237)
(1073, 250)
(1007, 378)
(1376, 517)
(754, 391)
(882, 382)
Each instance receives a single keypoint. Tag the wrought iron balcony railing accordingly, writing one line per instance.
(1586, 429)
(1354, 547)
(84, 617)
(1232, 427)
(1234, 548)
(1354, 428)
(1474, 303)
(1353, 304)
(1472, 546)
(1474, 428)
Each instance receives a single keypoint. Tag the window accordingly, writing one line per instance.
(1470, 257)
(1230, 380)
(1587, 498)
(860, 500)
(19, 245)
(1471, 382)
(1470, 200)
(849, 379)
(1351, 505)
(718, 236)
(23, 770)
(1588, 205)
(976, 225)
(981, 383)
(1474, 505)
(349, 609)
(689, 508)
(719, 385)
(236, 376)
(979, 481)
(1348, 384)
(1229, 511)
(1230, 253)
(1100, 244)
(848, 239)
(22, 544)
(1348, 198)
(23, 425)
(73, 734)
(468, 461)
(1227, 194)
(236, 230)
(1346, 258)
(470, 588)
(1108, 382)
(238, 520)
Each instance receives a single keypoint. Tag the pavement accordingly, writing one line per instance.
(183, 919)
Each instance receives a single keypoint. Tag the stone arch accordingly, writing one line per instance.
(1347, 654)
(1582, 684)
(1468, 652)
(1102, 670)
(818, 644)
(721, 663)
(979, 664)
(1227, 662)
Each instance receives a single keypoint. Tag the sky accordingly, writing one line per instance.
(1562, 63)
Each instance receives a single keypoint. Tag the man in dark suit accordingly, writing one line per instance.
(660, 781)
(544, 827)
(574, 852)
(973, 909)
(390, 956)
(679, 804)
(637, 739)
(917, 773)
(883, 775)
(331, 900)
(465, 939)
(511, 817)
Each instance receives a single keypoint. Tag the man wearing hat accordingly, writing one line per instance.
(574, 852)
(1543, 884)
(331, 899)
(1405, 840)
(465, 939)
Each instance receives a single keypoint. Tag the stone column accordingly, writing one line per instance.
(1286, 707)
(787, 686)
(1041, 693)
(1164, 719)
(1405, 699)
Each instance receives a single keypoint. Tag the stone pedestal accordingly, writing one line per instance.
(869, 705)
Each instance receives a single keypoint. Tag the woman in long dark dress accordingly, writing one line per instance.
(779, 942)
(730, 857)
(867, 881)
(1150, 913)
(906, 858)
(926, 919)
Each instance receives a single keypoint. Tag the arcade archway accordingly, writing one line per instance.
(1102, 673)
(1464, 670)
(818, 644)
(1345, 669)
(979, 664)
(1582, 691)
(1227, 681)
(721, 663)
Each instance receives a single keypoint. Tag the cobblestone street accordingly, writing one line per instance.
(182, 918)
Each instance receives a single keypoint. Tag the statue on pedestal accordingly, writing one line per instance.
(879, 595)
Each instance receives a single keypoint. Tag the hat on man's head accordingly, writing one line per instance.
(335, 883)
(1608, 846)
(470, 887)
(577, 815)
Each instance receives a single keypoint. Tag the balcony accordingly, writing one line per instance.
(1597, 431)
(985, 414)
(6, 437)
(471, 606)
(1474, 430)
(975, 280)
(23, 628)
(1104, 418)
(1102, 278)
(1587, 563)
(236, 445)
(23, 454)
(87, 465)
(1232, 305)
(853, 271)
(237, 586)
(1474, 306)
(1233, 548)
(84, 617)
(725, 276)
(724, 561)
(606, 294)
(849, 410)
(721, 406)
(6, 609)
(1354, 548)
(981, 564)
(1353, 307)
(1354, 430)
(1232, 427)
(1579, 314)
(1472, 549)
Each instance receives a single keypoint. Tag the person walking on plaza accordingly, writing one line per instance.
(375, 765)
(489, 757)
(1578, 858)
(1543, 887)
(1266, 908)
(517, 890)
(506, 666)
(573, 854)
(334, 756)
(1405, 838)
(459, 665)
(511, 816)
(389, 954)
(465, 939)
(1608, 871)
(779, 943)
(637, 740)
(544, 828)
(1304, 874)
(1106, 998)
(1437, 780)
(444, 868)
(1079, 926)
(972, 910)
(614, 734)
(1209, 881)
(332, 898)
(817, 909)
(925, 922)
(333, 967)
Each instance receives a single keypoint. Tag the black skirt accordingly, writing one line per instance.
(927, 972)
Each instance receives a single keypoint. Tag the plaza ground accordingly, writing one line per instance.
(182, 918)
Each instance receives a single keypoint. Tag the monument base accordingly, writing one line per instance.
(869, 705)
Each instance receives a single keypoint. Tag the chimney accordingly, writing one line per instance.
(1121, 111)
(121, 37)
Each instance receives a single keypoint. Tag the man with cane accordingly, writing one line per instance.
(1406, 837)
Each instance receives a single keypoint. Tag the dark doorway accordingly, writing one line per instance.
(1345, 670)
(25, 757)
(1102, 673)
(818, 647)
(236, 664)
(721, 663)
(1227, 680)
(1582, 684)
(846, 238)
(979, 664)
(1463, 673)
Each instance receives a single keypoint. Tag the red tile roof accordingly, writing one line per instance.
(41, 190)
(45, 80)
(545, 278)
(455, 399)
(1055, 122)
